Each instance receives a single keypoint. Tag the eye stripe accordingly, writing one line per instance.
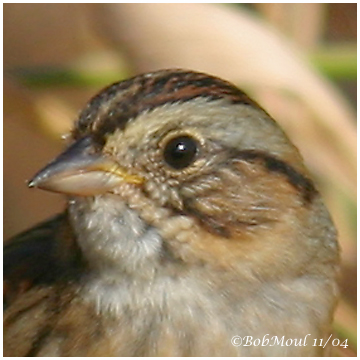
(300, 182)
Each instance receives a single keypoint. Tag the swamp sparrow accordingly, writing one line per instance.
(191, 219)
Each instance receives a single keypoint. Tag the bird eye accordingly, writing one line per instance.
(180, 152)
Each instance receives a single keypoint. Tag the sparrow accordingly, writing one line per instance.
(192, 228)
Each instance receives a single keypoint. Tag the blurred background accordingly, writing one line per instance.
(297, 60)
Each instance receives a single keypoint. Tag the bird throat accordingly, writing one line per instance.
(125, 244)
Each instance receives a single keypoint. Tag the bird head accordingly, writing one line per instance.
(205, 166)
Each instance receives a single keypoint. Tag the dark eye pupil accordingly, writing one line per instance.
(180, 152)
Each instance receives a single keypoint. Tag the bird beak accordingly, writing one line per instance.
(81, 171)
